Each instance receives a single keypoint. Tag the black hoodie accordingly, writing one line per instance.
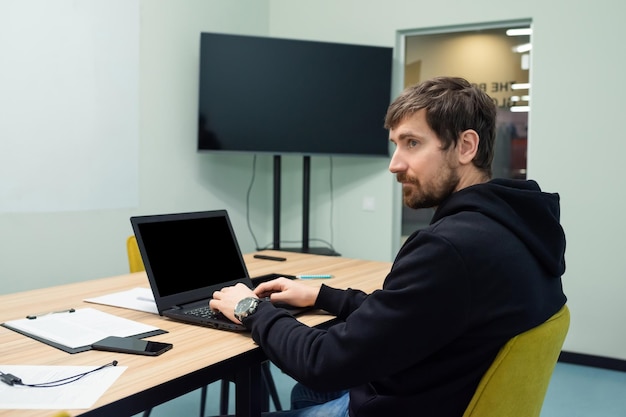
(487, 268)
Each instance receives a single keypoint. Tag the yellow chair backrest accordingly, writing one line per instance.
(135, 263)
(515, 384)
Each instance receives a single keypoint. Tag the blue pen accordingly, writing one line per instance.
(320, 276)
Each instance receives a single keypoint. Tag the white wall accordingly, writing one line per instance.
(574, 145)
(576, 141)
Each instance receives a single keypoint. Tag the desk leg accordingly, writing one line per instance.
(249, 392)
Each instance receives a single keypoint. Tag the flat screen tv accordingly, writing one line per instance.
(285, 96)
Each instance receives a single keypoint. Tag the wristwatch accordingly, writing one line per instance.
(246, 307)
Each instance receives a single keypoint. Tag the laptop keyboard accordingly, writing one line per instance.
(204, 312)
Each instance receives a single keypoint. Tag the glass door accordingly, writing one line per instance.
(496, 58)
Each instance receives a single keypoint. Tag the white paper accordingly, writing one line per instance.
(83, 327)
(136, 299)
(82, 393)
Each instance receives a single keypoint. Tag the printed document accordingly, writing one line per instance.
(136, 299)
(82, 327)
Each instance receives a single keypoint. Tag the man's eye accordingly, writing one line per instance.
(411, 143)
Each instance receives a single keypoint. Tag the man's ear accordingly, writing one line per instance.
(467, 146)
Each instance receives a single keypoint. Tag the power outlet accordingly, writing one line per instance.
(369, 204)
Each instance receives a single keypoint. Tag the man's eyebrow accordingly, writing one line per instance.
(406, 135)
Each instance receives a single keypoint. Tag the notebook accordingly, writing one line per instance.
(187, 257)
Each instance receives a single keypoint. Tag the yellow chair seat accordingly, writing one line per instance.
(515, 384)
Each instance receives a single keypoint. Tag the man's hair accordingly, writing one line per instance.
(452, 106)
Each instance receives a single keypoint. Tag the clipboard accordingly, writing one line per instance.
(74, 331)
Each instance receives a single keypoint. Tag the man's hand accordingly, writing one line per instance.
(227, 298)
(283, 290)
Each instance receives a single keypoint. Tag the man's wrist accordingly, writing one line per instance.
(246, 307)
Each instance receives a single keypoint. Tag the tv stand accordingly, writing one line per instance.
(306, 201)
(314, 251)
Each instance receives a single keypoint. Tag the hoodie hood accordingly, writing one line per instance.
(521, 206)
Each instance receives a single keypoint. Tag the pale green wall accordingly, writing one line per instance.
(575, 147)
(43, 249)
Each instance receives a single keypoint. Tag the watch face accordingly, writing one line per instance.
(245, 307)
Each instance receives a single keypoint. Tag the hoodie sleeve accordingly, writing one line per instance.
(340, 303)
(382, 333)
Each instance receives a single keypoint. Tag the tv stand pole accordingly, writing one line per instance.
(276, 239)
(306, 202)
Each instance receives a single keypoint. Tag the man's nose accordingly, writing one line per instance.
(396, 164)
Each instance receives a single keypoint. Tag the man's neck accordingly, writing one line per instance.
(472, 176)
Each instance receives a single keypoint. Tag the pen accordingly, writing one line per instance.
(318, 276)
(34, 316)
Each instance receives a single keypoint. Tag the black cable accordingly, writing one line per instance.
(256, 245)
(12, 380)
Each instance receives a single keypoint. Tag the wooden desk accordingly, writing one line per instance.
(193, 362)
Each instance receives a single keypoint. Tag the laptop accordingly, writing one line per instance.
(187, 257)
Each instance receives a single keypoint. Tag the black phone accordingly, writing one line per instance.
(131, 345)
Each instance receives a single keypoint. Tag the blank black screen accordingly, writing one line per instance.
(289, 96)
(191, 253)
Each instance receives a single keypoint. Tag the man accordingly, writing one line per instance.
(487, 268)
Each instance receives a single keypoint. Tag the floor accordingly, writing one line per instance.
(575, 391)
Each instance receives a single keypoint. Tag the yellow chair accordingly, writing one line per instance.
(135, 264)
(515, 384)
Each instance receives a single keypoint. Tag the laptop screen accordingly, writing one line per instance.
(187, 252)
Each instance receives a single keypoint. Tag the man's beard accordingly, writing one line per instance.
(431, 195)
